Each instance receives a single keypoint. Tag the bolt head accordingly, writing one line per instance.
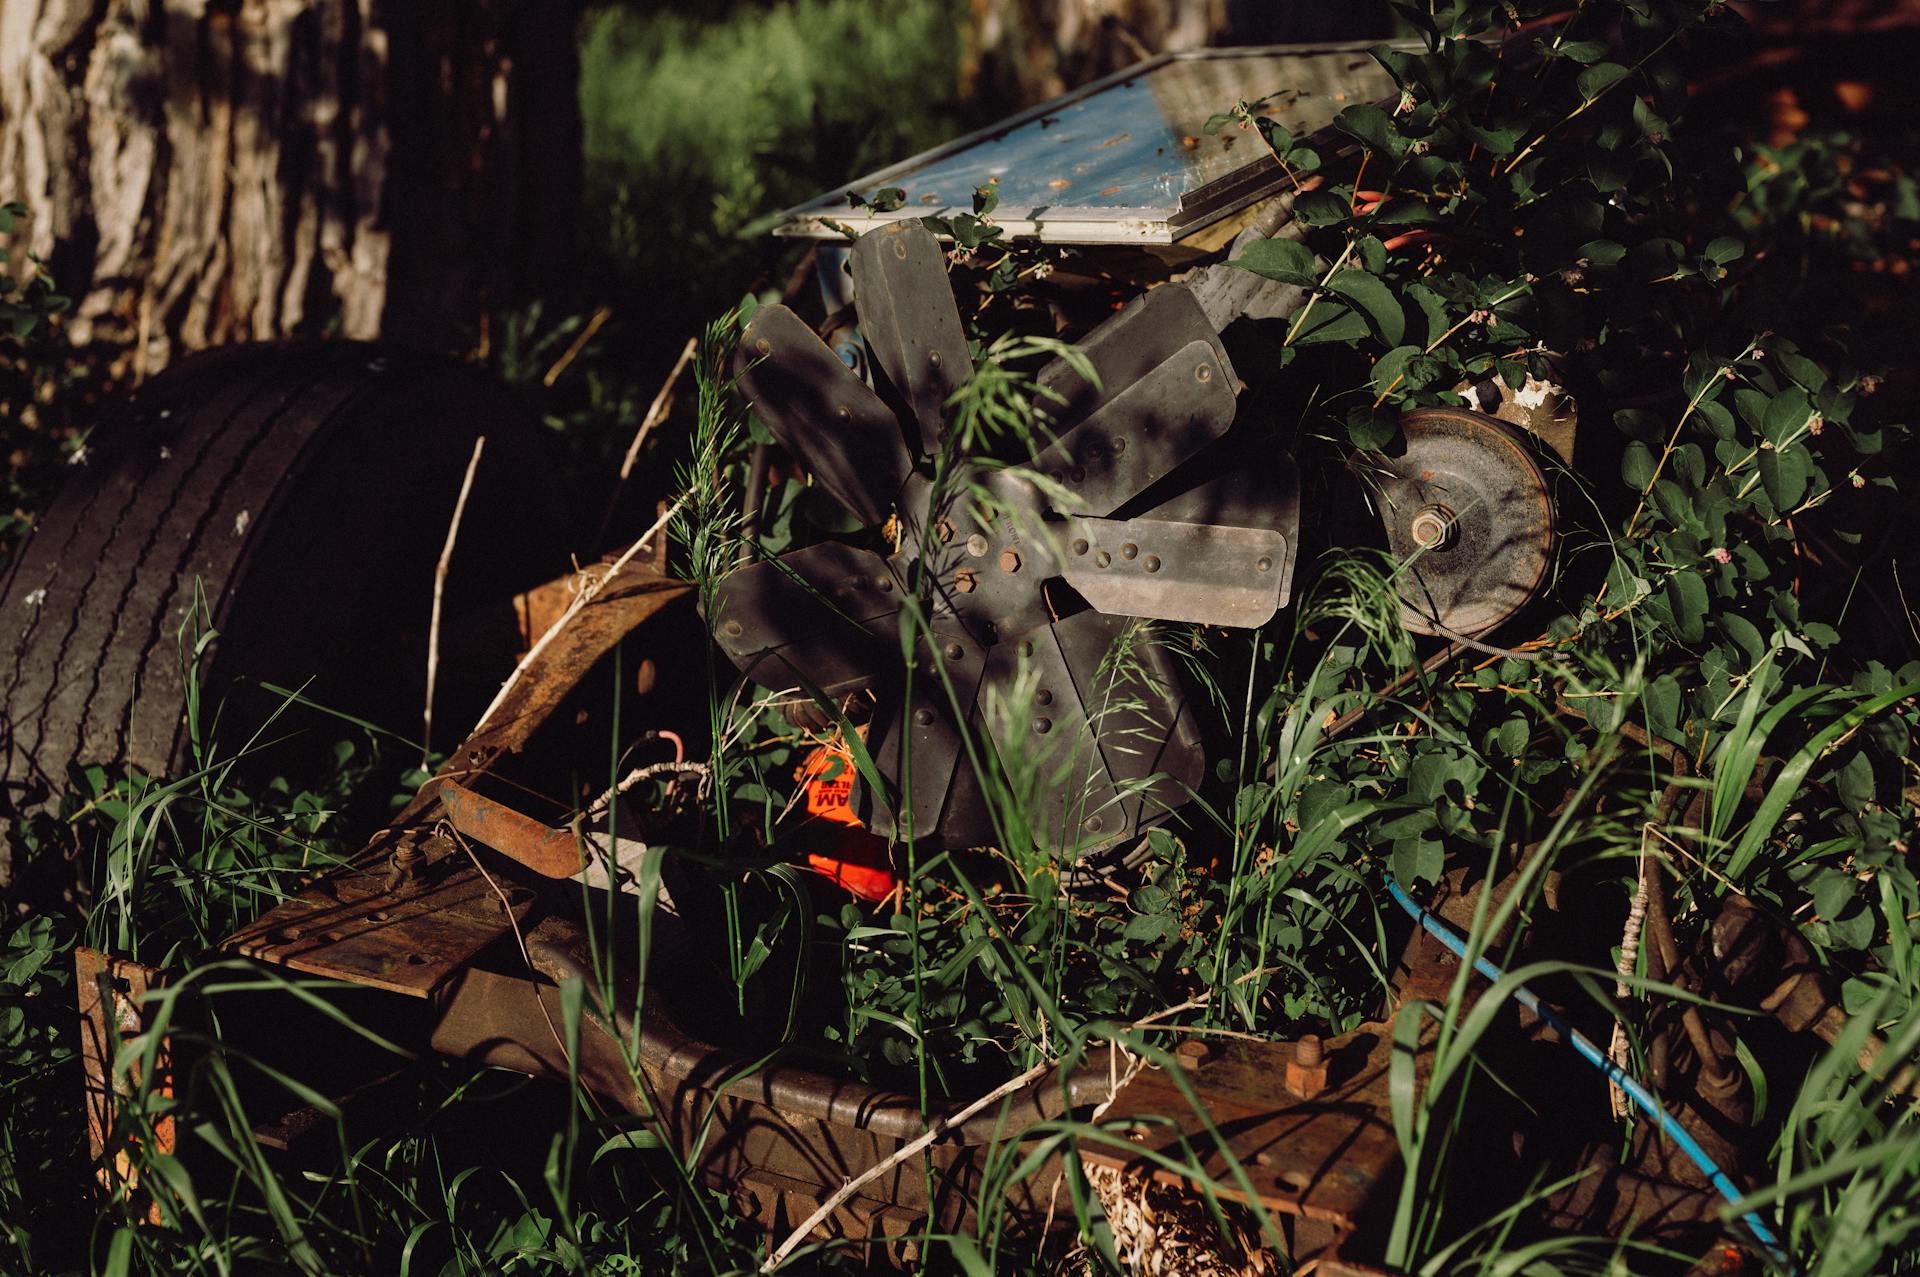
(1432, 528)
(943, 529)
(965, 581)
(1009, 560)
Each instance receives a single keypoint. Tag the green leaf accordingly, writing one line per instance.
(1787, 412)
(1370, 124)
(1370, 294)
(1663, 705)
(1390, 371)
(1636, 466)
(1321, 208)
(1329, 321)
(1600, 77)
(1784, 473)
(1286, 260)
(1585, 52)
(1854, 781)
(1724, 250)
(1687, 596)
(1372, 429)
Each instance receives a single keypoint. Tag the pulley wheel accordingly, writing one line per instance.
(1468, 515)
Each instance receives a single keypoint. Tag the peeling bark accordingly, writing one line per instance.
(205, 171)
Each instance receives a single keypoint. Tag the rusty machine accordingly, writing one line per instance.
(1151, 493)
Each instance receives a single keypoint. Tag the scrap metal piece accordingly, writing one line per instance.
(410, 939)
(915, 738)
(1197, 572)
(111, 993)
(832, 423)
(1467, 510)
(911, 322)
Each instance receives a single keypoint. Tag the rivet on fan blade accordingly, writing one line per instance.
(1094, 824)
(733, 629)
(1079, 545)
(1009, 560)
(924, 717)
(1043, 697)
(933, 357)
(1119, 447)
(1102, 559)
(1043, 725)
(1076, 474)
(763, 346)
(1151, 563)
(1026, 647)
(976, 545)
(1128, 550)
(955, 651)
(1203, 373)
(883, 584)
(900, 248)
(1263, 564)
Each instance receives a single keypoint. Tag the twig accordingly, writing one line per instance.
(580, 600)
(938, 1127)
(439, 589)
(578, 344)
(658, 408)
(1623, 970)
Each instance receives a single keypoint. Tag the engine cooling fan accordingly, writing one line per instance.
(1010, 627)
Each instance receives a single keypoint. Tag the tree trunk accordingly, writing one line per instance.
(206, 171)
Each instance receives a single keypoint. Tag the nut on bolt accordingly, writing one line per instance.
(1307, 1070)
(1192, 1053)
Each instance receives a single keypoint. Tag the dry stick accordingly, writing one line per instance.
(939, 1126)
(579, 344)
(580, 600)
(439, 589)
(658, 408)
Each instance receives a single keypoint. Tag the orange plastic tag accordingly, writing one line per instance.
(828, 777)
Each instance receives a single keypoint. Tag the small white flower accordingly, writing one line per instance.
(79, 457)
(166, 453)
(38, 597)
(240, 522)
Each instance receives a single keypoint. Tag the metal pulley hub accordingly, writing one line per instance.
(1469, 516)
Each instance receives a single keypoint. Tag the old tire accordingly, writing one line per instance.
(291, 498)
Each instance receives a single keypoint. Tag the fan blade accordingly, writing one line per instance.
(822, 413)
(910, 322)
(1204, 573)
(1146, 430)
(918, 736)
(1145, 334)
(817, 616)
(1148, 736)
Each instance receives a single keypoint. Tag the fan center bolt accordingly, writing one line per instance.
(1433, 528)
(1009, 560)
(943, 528)
(976, 545)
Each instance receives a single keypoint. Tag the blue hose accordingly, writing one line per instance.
(1639, 1094)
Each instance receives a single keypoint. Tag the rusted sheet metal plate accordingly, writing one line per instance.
(407, 939)
(1321, 1158)
(633, 595)
(109, 992)
(553, 852)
